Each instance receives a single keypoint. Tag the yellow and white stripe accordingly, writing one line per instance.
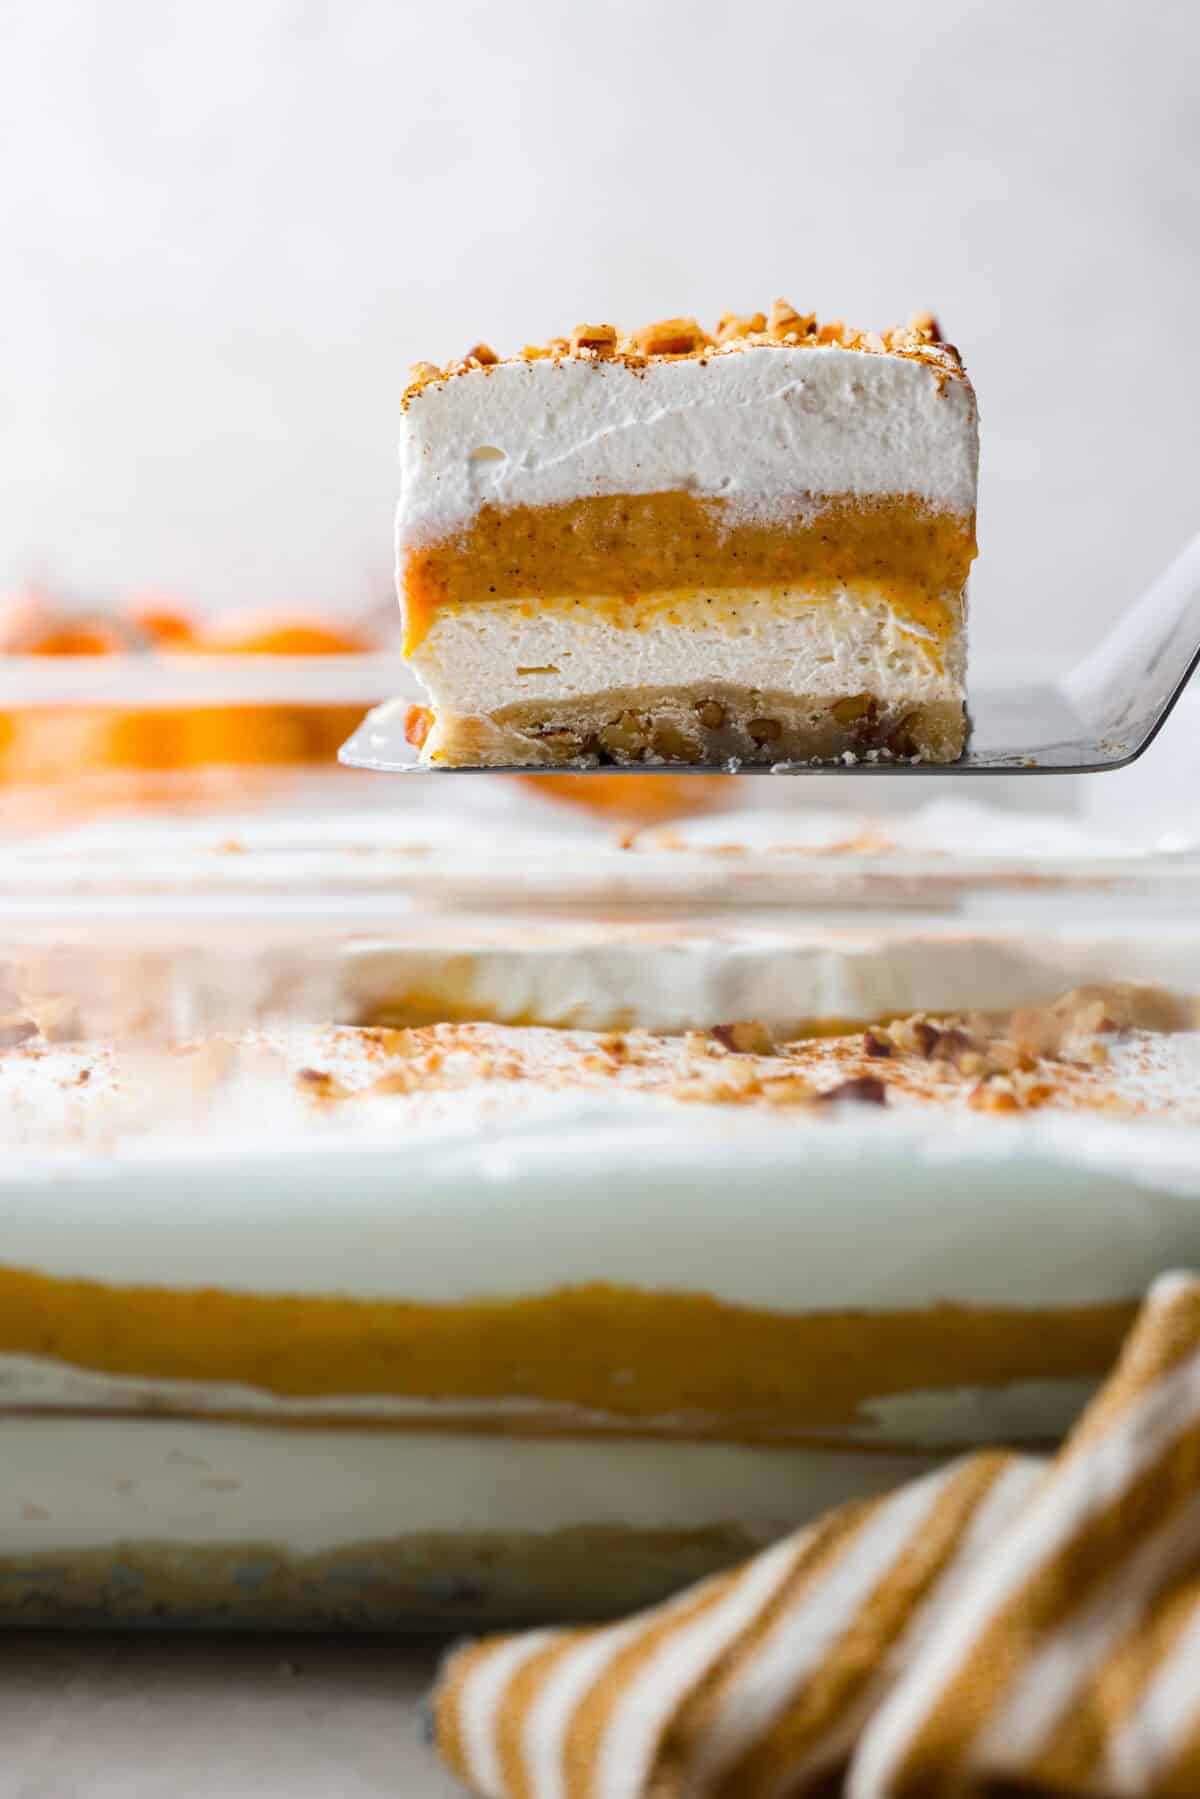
(1017, 1684)
(1001, 1619)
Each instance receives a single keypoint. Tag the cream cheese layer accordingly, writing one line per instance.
(1030, 1409)
(482, 657)
(83, 1483)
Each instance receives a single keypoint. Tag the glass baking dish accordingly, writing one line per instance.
(427, 1209)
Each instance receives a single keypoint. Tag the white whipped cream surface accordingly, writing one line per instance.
(758, 429)
(510, 1187)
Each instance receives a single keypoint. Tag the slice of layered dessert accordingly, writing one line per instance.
(680, 548)
(336, 1326)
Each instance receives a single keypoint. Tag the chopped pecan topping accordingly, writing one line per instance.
(321, 1084)
(920, 338)
(732, 325)
(671, 337)
(748, 1037)
(1122, 1006)
(1009, 1061)
(950, 1045)
(601, 340)
(740, 1080)
(788, 1090)
(916, 1035)
(876, 1044)
(1035, 1032)
(398, 1081)
(863, 1090)
(993, 1096)
(787, 322)
(924, 325)
(313, 1077)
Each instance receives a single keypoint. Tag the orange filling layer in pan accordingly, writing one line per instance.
(654, 1361)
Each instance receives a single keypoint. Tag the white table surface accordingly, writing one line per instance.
(139, 1716)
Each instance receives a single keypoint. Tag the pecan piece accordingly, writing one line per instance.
(601, 340)
(747, 1037)
(924, 325)
(950, 1045)
(862, 1090)
(915, 1035)
(1035, 1032)
(993, 1096)
(732, 325)
(671, 337)
(788, 1090)
(787, 322)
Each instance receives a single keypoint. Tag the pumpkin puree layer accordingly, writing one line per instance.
(626, 545)
(661, 1361)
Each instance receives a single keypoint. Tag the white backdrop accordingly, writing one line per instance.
(229, 228)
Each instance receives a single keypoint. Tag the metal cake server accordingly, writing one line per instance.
(1102, 714)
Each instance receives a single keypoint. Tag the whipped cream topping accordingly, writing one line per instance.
(758, 431)
(512, 1185)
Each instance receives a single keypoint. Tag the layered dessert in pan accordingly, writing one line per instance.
(678, 547)
(800, 978)
(473, 1322)
(93, 745)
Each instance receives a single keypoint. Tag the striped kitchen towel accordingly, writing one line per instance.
(1004, 1623)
